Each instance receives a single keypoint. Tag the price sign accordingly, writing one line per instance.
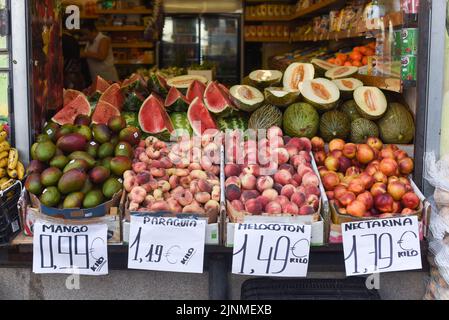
(271, 249)
(166, 244)
(80, 249)
(383, 245)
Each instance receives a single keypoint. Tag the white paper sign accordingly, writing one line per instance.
(383, 245)
(166, 244)
(71, 249)
(271, 249)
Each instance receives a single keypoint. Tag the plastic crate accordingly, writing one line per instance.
(9, 213)
(353, 288)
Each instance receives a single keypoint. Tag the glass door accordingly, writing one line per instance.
(5, 67)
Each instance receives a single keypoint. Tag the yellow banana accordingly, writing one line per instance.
(3, 180)
(12, 173)
(5, 146)
(20, 170)
(13, 159)
(3, 136)
(7, 184)
(2, 173)
(4, 154)
(3, 163)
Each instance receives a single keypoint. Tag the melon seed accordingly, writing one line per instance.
(298, 76)
(347, 83)
(369, 99)
(321, 91)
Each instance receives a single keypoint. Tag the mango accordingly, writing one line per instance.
(114, 140)
(79, 164)
(84, 131)
(99, 174)
(123, 148)
(33, 151)
(120, 164)
(45, 151)
(117, 124)
(131, 135)
(73, 201)
(59, 162)
(82, 120)
(88, 186)
(50, 177)
(50, 197)
(64, 130)
(82, 155)
(101, 133)
(33, 184)
(93, 199)
(43, 137)
(92, 149)
(111, 187)
(72, 181)
(51, 129)
(106, 150)
(72, 142)
(106, 162)
(36, 166)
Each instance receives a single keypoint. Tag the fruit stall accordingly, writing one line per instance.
(331, 125)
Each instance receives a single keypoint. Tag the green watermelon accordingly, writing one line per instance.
(133, 101)
(233, 123)
(397, 125)
(176, 101)
(301, 120)
(334, 124)
(181, 123)
(265, 117)
(158, 84)
(131, 119)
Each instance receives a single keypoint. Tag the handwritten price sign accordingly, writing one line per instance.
(166, 244)
(383, 245)
(80, 249)
(271, 249)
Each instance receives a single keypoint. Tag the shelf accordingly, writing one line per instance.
(125, 11)
(283, 18)
(121, 28)
(382, 82)
(267, 39)
(313, 8)
(133, 62)
(133, 45)
(329, 36)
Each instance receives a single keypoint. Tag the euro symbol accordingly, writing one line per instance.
(300, 248)
(403, 240)
(171, 252)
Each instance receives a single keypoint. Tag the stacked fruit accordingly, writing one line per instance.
(80, 165)
(357, 58)
(284, 184)
(178, 178)
(366, 180)
(11, 169)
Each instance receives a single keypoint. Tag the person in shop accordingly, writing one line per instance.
(73, 77)
(98, 54)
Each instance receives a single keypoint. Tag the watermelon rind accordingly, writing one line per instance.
(181, 123)
(114, 96)
(165, 129)
(133, 101)
(158, 84)
(217, 101)
(131, 119)
(67, 115)
(103, 112)
(196, 89)
(199, 115)
(175, 101)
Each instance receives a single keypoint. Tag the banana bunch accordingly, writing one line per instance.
(11, 168)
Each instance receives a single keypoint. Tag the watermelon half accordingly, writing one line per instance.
(196, 90)
(199, 117)
(103, 112)
(217, 101)
(134, 83)
(113, 95)
(70, 95)
(154, 120)
(67, 115)
(176, 101)
(158, 84)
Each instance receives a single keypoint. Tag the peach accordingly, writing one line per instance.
(274, 131)
(251, 169)
(160, 206)
(273, 208)
(249, 194)
(303, 169)
(330, 180)
(397, 207)
(233, 192)
(264, 183)
(372, 168)
(306, 210)
(350, 150)
(380, 177)
(388, 167)
(202, 197)
(294, 183)
(277, 187)
(330, 195)
(331, 163)
(384, 203)
(282, 200)
(290, 208)
(320, 157)
(317, 144)
(288, 190)
(310, 179)
(296, 142)
(204, 186)
(238, 205)
(357, 186)
(406, 166)
(374, 143)
(233, 180)
(356, 208)
(378, 188)
(301, 189)
(404, 180)
(297, 160)
(396, 189)
(392, 178)
(386, 153)
(367, 180)
(336, 144)
(407, 211)
(292, 150)
(410, 200)
(344, 164)
(336, 154)
(313, 200)
(280, 155)
(263, 200)
(276, 142)
(306, 144)
(232, 169)
(322, 171)
(254, 207)
(352, 171)
(400, 154)
(312, 190)
(298, 198)
(283, 177)
(367, 199)
(305, 155)
(288, 167)
(346, 198)
(365, 154)
(248, 181)
(339, 190)
(271, 194)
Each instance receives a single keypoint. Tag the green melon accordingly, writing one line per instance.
(181, 123)
(334, 124)
(265, 117)
(301, 120)
(232, 123)
(350, 109)
(362, 129)
(397, 125)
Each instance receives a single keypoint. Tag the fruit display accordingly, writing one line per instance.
(176, 178)
(275, 177)
(11, 169)
(366, 180)
(358, 57)
(79, 162)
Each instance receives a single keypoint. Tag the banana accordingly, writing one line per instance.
(5, 146)
(13, 159)
(3, 163)
(4, 154)
(7, 184)
(20, 170)
(2, 173)
(3, 180)
(12, 173)
(3, 136)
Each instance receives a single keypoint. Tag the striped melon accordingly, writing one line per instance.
(265, 117)
(397, 125)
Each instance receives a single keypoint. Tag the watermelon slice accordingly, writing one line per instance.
(217, 101)
(199, 117)
(195, 90)
(158, 84)
(103, 112)
(67, 115)
(176, 101)
(70, 95)
(113, 95)
(134, 83)
(154, 120)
